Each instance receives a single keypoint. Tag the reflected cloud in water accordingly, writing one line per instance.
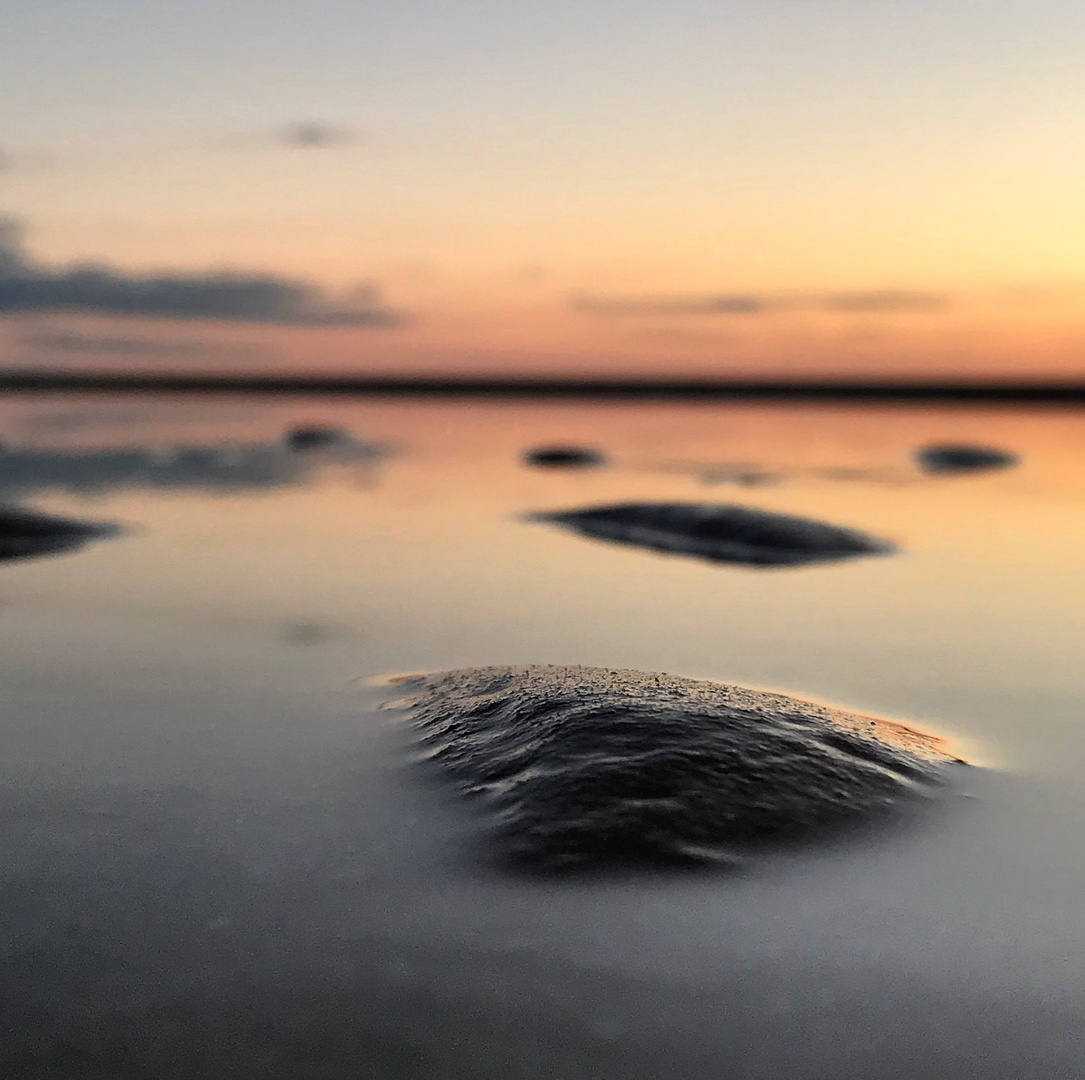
(211, 467)
(932, 463)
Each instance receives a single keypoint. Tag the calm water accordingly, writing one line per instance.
(215, 858)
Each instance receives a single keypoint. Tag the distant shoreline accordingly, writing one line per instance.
(1070, 392)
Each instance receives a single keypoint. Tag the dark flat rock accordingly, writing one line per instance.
(316, 437)
(564, 457)
(962, 457)
(27, 533)
(580, 765)
(720, 533)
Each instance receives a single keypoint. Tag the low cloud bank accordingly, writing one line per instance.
(862, 301)
(28, 287)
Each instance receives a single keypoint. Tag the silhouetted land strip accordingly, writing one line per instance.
(1070, 391)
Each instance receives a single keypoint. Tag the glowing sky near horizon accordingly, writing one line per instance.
(488, 166)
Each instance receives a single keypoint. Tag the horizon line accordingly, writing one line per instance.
(1068, 391)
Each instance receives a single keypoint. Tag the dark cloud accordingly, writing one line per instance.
(877, 300)
(314, 134)
(27, 287)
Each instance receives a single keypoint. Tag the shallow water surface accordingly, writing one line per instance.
(218, 859)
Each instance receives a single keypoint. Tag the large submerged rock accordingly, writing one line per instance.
(720, 533)
(580, 766)
(27, 533)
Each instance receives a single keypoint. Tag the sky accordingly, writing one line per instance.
(498, 186)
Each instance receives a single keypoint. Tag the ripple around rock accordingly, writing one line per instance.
(580, 766)
(26, 533)
(720, 533)
(962, 457)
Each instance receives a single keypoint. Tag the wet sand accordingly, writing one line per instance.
(219, 861)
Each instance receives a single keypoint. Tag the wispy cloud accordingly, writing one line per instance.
(296, 135)
(859, 301)
(50, 343)
(94, 345)
(27, 287)
(887, 300)
(315, 134)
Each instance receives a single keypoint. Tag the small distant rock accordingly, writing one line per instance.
(720, 533)
(578, 766)
(316, 437)
(953, 458)
(306, 632)
(25, 533)
(564, 457)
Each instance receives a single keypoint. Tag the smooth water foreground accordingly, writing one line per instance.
(216, 858)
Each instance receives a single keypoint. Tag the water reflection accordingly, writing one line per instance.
(928, 463)
(212, 467)
(214, 855)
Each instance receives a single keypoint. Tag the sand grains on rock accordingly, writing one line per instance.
(578, 766)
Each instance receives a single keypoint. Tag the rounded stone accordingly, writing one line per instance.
(581, 765)
(26, 533)
(962, 457)
(564, 457)
(315, 437)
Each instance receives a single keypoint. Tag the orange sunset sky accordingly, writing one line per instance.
(441, 186)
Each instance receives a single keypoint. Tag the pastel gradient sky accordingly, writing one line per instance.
(786, 186)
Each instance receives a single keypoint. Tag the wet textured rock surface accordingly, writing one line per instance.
(720, 533)
(26, 533)
(582, 766)
(961, 457)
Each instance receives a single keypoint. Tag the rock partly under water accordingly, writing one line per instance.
(316, 437)
(720, 533)
(27, 533)
(564, 457)
(579, 766)
(961, 457)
